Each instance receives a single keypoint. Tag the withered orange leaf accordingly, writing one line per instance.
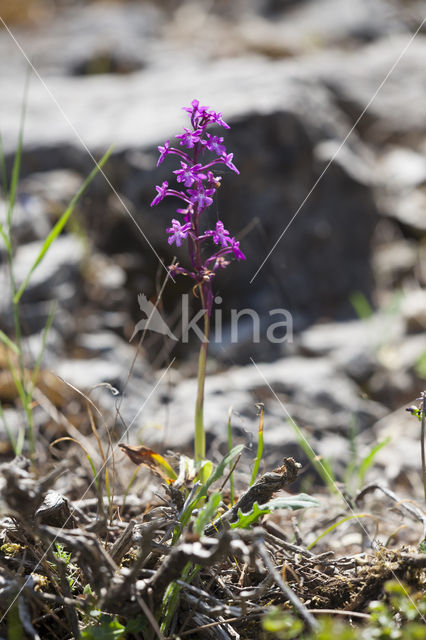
(145, 455)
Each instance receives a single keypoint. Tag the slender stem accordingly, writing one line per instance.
(200, 436)
(205, 296)
(26, 396)
(259, 446)
(18, 338)
(231, 475)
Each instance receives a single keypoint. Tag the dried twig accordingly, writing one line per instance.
(414, 511)
(123, 543)
(211, 625)
(310, 621)
(97, 564)
(150, 616)
(260, 492)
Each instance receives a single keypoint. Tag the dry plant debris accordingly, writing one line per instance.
(60, 562)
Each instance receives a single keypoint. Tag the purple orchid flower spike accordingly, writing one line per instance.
(179, 232)
(210, 249)
(162, 192)
(199, 182)
(214, 143)
(188, 175)
(220, 235)
(190, 138)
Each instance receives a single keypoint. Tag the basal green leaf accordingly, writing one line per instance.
(301, 501)
(202, 493)
(208, 513)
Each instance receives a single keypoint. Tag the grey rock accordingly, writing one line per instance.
(12, 422)
(105, 342)
(29, 219)
(87, 373)
(393, 87)
(409, 210)
(391, 389)
(52, 345)
(395, 262)
(401, 176)
(310, 391)
(41, 198)
(290, 133)
(375, 353)
(286, 129)
(111, 276)
(408, 353)
(413, 309)
(54, 275)
(401, 457)
(334, 450)
(54, 188)
(421, 270)
(400, 168)
(89, 39)
(56, 278)
(361, 335)
(317, 24)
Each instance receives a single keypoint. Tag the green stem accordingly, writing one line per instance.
(12, 192)
(18, 338)
(231, 476)
(259, 447)
(200, 436)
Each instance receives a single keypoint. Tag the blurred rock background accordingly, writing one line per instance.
(294, 79)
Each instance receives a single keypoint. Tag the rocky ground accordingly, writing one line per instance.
(327, 105)
(326, 99)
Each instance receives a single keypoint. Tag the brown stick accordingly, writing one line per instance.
(262, 491)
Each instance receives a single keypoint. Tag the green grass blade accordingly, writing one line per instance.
(4, 187)
(322, 467)
(300, 501)
(3, 168)
(17, 445)
(337, 524)
(202, 492)
(361, 305)
(5, 239)
(8, 342)
(327, 468)
(368, 460)
(171, 596)
(18, 384)
(259, 447)
(231, 477)
(205, 468)
(46, 329)
(61, 224)
(352, 466)
(129, 486)
(15, 629)
(208, 513)
(218, 472)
